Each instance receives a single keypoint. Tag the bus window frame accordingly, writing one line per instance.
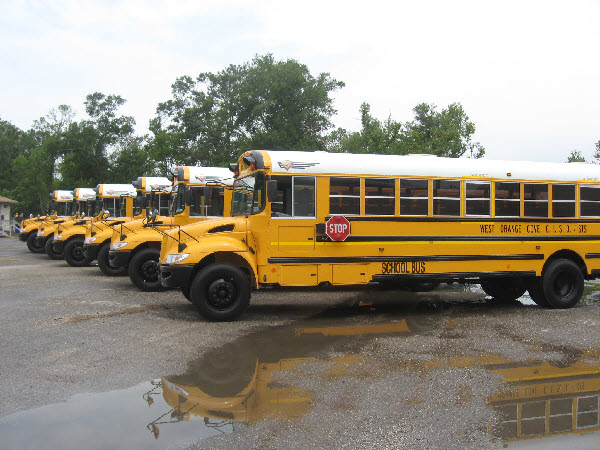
(427, 197)
(515, 200)
(574, 201)
(593, 186)
(359, 196)
(393, 197)
(525, 201)
(465, 198)
(455, 199)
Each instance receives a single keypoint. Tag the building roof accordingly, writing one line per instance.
(7, 200)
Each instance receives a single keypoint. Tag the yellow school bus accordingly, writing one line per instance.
(312, 218)
(198, 193)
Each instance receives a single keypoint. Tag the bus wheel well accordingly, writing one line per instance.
(570, 255)
(229, 258)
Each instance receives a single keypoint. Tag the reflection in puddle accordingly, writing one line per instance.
(237, 384)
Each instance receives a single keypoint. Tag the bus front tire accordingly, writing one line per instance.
(505, 290)
(562, 283)
(74, 254)
(49, 247)
(31, 245)
(221, 292)
(144, 270)
(104, 264)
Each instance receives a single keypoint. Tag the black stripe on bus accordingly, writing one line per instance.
(452, 275)
(464, 219)
(460, 238)
(355, 259)
(592, 255)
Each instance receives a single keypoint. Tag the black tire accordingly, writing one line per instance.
(144, 271)
(49, 248)
(562, 283)
(104, 264)
(221, 292)
(534, 287)
(74, 253)
(504, 289)
(31, 245)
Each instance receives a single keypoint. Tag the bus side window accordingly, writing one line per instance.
(535, 196)
(446, 197)
(563, 200)
(304, 196)
(344, 195)
(283, 206)
(508, 199)
(589, 201)
(477, 198)
(380, 196)
(414, 197)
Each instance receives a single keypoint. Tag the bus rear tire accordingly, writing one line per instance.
(505, 290)
(221, 292)
(33, 248)
(562, 283)
(104, 264)
(144, 270)
(49, 247)
(534, 287)
(74, 254)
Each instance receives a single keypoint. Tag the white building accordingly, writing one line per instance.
(5, 216)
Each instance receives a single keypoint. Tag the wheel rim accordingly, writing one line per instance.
(77, 253)
(221, 293)
(563, 285)
(149, 270)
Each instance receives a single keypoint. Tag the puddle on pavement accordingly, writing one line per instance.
(236, 385)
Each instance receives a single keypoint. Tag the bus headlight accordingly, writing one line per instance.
(40, 233)
(89, 240)
(176, 258)
(57, 237)
(118, 245)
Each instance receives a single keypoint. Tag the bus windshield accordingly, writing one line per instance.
(61, 208)
(248, 195)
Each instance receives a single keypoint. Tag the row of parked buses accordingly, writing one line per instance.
(287, 218)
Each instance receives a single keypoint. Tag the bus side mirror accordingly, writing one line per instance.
(272, 190)
(105, 214)
(187, 196)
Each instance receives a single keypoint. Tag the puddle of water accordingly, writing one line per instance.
(236, 385)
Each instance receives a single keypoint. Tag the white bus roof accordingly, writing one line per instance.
(297, 162)
(115, 190)
(203, 175)
(149, 184)
(62, 196)
(84, 194)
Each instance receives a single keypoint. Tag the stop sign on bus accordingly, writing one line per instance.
(337, 228)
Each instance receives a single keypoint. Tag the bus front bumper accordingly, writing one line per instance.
(175, 276)
(91, 250)
(119, 258)
(58, 246)
(23, 237)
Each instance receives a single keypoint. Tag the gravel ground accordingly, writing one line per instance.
(88, 359)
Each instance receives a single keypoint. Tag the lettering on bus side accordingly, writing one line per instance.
(553, 228)
(402, 267)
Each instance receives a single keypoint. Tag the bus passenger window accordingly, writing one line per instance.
(589, 201)
(508, 199)
(344, 195)
(477, 198)
(414, 197)
(535, 196)
(304, 196)
(282, 207)
(446, 197)
(380, 196)
(563, 200)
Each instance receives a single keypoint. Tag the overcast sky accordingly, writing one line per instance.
(526, 72)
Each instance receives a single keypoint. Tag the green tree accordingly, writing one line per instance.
(576, 156)
(13, 142)
(130, 161)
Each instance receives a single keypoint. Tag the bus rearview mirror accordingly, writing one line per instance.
(272, 190)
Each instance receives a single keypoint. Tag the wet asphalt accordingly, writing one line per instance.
(91, 361)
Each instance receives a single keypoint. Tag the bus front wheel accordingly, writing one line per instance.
(49, 247)
(31, 245)
(144, 271)
(74, 254)
(104, 264)
(562, 283)
(221, 292)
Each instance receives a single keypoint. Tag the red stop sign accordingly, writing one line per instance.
(337, 228)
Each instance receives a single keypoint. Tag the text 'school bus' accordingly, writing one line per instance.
(67, 240)
(59, 211)
(304, 219)
(115, 204)
(199, 193)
